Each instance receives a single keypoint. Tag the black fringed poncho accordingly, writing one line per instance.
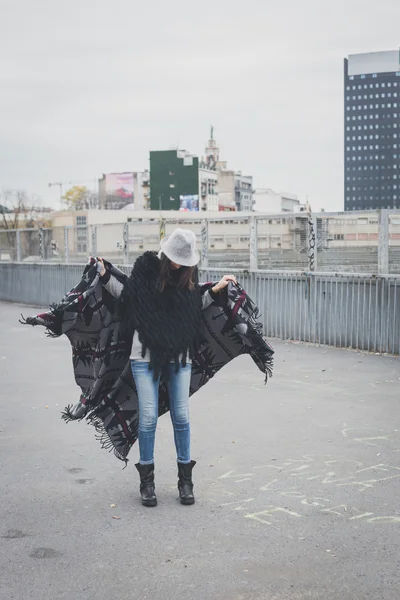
(101, 346)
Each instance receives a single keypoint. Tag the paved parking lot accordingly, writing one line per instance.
(297, 484)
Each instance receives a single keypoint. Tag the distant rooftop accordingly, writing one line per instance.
(374, 62)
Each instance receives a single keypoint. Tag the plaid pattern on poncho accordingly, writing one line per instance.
(88, 316)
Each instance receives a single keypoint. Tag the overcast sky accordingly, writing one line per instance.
(91, 86)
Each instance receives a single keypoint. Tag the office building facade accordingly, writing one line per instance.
(371, 131)
(174, 180)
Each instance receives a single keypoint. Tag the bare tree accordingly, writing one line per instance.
(18, 211)
(13, 204)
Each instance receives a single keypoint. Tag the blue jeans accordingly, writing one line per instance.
(178, 391)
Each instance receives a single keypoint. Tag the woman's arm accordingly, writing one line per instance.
(223, 283)
(109, 282)
(210, 295)
(207, 299)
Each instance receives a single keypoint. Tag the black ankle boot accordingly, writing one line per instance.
(147, 489)
(185, 483)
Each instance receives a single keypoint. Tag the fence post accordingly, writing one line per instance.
(383, 242)
(41, 249)
(18, 243)
(204, 244)
(126, 243)
(94, 239)
(253, 244)
(312, 242)
(66, 245)
(162, 229)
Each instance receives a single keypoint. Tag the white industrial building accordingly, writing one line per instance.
(268, 201)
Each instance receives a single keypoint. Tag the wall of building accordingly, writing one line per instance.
(274, 232)
(374, 62)
(243, 192)
(290, 203)
(355, 230)
(226, 190)
(208, 190)
(268, 201)
(372, 131)
(141, 190)
(173, 173)
(338, 234)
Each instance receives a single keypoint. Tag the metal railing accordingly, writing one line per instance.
(344, 242)
(359, 311)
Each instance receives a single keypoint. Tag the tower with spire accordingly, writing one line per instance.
(212, 152)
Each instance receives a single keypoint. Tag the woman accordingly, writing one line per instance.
(161, 309)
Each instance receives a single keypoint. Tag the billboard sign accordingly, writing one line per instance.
(189, 203)
(119, 189)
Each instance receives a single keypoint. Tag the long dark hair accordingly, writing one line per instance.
(183, 278)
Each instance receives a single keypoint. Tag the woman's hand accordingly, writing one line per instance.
(223, 283)
(103, 269)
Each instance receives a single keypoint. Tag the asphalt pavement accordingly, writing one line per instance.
(297, 484)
